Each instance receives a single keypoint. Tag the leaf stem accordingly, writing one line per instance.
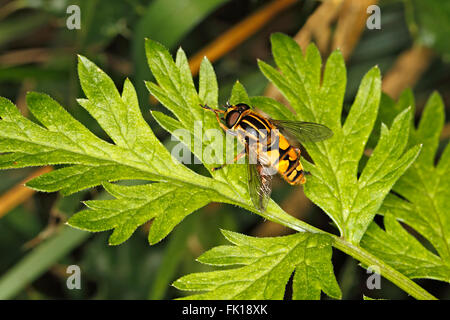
(387, 271)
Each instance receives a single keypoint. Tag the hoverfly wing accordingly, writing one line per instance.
(304, 131)
(259, 185)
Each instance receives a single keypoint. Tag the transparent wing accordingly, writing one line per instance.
(304, 131)
(259, 185)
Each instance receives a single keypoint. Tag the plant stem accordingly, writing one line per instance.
(387, 271)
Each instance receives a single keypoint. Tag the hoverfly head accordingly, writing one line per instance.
(233, 113)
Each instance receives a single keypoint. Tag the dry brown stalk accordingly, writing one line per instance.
(407, 70)
(24, 56)
(318, 26)
(350, 25)
(238, 33)
(19, 193)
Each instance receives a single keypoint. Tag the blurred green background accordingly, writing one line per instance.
(38, 53)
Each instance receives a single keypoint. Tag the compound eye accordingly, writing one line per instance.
(232, 117)
(242, 106)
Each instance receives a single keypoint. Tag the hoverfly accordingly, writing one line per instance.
(262, 137)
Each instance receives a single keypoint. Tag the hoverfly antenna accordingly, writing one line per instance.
(205, 106)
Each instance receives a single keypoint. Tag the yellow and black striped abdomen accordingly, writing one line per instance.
(289, 165)
(272, 146)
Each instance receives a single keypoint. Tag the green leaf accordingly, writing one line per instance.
(271, 107)
(369, 298)
(174, 89)
(334, 185)
(136, 154)
(421, 203)
(168, 123)
(388, 110)
(181, 15)
(176, 248)
(239, 94)
(172, 93)
(403, 251)
(72, 179)
(208, 90)
(172, 191)
(135, 205)
(268, 264)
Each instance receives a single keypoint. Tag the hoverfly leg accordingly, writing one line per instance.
(216, 112)
(240, 155)
(218, 168)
